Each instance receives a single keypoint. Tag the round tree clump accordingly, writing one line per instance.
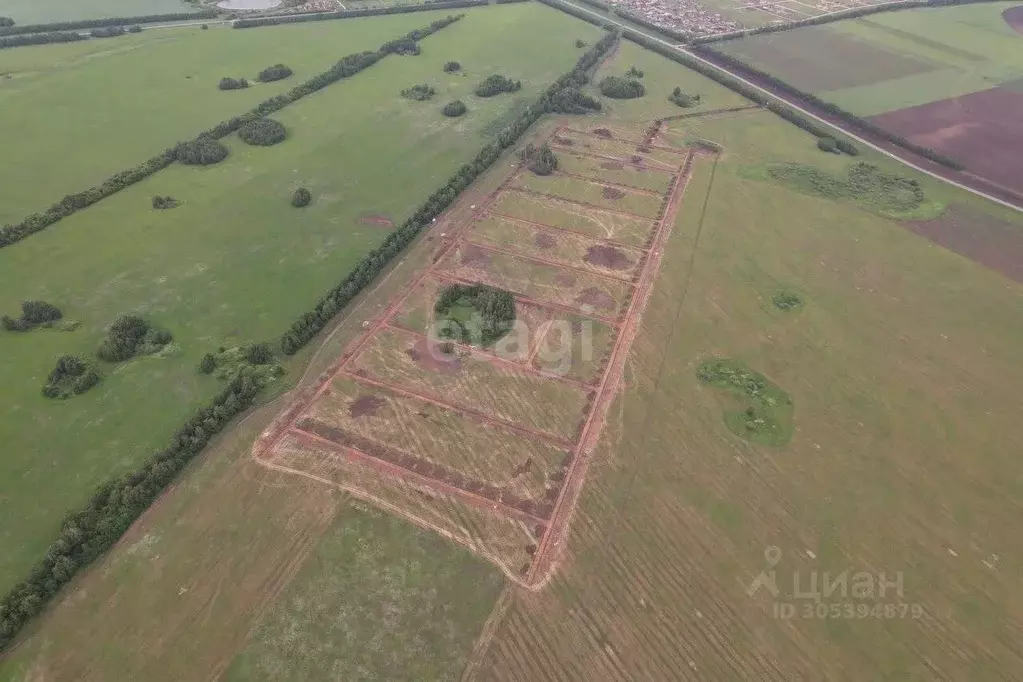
(617, 87)
(202, 151)
(301, 197)
(274, 73)
(454, 109)
(786, 300)
(452, 67)
(475, 314)
(233, 84)
(262, 132)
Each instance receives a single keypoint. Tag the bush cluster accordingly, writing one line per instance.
(301, 197)
(786, 300)
(682, 99)
(130, 335)
(309, 324)
(404, 46)
(107, 32)
(33, 314)
(109, 21)
(454, 109)
(452, 67)
(135, 29)
(345, 68)
(161, 203)
(70, 377)
(541, 160)
(495, 85)
(277, 72)
(6, 22)
(828, 144)
(617, 87)
(354, 13)
(633, 72)
(263, 132)
(420, 93)
(579, 42)
(492, 314)
(572, 100)
(233, 83)
(204, 150)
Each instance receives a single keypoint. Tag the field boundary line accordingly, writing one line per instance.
(547, 261)
(616, 185)
(568, 230)
(679, 152)
(474, 663)
(659, 166)
(577, 202)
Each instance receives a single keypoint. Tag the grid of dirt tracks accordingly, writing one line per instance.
(499, 434)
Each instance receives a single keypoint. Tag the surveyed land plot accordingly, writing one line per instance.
(631, 174)
(417, 419)
(640, 203)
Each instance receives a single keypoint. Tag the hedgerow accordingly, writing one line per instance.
(355, 13)
(348, 66)
(41, 39)
(454, 109)
(11, 29)
(495, 85)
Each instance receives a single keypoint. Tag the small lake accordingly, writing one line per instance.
(248, 4)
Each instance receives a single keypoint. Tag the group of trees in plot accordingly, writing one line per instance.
(194, 150)
(633, 72)
(454, 109)
(495, 85)
(273, 73)
(541, 160)
(420, 92)
(33, 314)
(301, 197)
(617, 87)
(263, 132)
(227, 83)
(475, 314)
(452, 67)
(204, 150)
(131, 335)
(682, 99)
(162, 203)
(70, 377)
(256, 358)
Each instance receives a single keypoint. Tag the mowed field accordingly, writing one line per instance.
(946, 78)
(48, 11)
(234, 262)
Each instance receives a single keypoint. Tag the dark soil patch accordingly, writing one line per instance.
(643, 148)
(365, 405)
(562, 140)
(603, 132)
(596, 298)
(983, 130)
(637, 160)
(611, 165)
(375, 219)
(475, 256)
(607, 257)
(1014, 17)
(564, 279)
(523, 468)
(545, 241)
(983, 238)
(429, 356)
(612, 193)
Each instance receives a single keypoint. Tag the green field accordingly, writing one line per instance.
(48, 11)
(234, 262)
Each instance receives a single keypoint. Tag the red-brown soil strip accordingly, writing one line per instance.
(564, 507)
(422, 341)
(364, 378)
(473, 255)
(979, 236)
(599, 181)
(586, 235)
(522, 190)
(365, 405)
(596, 298)
(555, 263)
(550, 305)
(479, 501)
(608, 257)
(612, 165)
(376, 219)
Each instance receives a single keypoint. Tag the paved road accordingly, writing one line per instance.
(831, 124)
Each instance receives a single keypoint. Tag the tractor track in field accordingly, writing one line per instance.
(580, 233)
(649, 165)
(548, 261)
(577, 202)
(606, 183)
(564, 507)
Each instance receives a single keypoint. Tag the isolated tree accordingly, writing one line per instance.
(452, 67)
(208, 364)
(682, 99)
(633, 72)
(454, 109)
(232, 83)
(495, 85)
(579, 42)
(6, 21)
(204, 27)
(617, 87)
(263, 132)
(301, 197)
(161, 203)
(274, 73)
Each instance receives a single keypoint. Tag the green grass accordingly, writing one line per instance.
(234, 262)
(48, 11)
(379, 599)
(763, 412)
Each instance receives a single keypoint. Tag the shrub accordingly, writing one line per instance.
(454, 109)
(572, 100)
(301, 197)
(259, 354)
(202, 151)
(204, 27)
(420, 93)
(617, 87)
(70, 376)
(452, 67)
(682, 99)
(208, 364)
(541, 161)
(579, 42)
(495, 85)
(274, 73)
(477, 314)
(33, 314)
(233, 83)
(161, 203)
(786, 300)
(131, 335)
(828, 144)
(263, 132)
(633, 72)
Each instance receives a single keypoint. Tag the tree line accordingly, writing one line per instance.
(40, 39)
(354, 13)
(348, 66)
(11, 29)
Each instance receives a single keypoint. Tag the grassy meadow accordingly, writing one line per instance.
(48, 11)
(234, 262)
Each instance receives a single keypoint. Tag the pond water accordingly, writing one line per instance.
(248, 4)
